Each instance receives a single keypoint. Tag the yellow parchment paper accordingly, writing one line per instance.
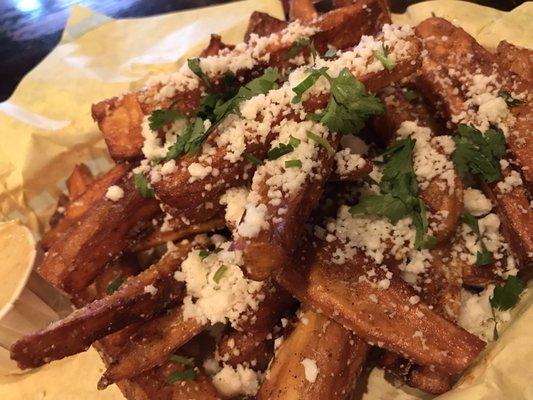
(47, 129)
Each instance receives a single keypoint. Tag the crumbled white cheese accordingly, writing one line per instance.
(310, 369)
(114, 193)
(231, 382)
(221, 300)
(150, 289)
(235, 201)
(476, 203)
(512, 180)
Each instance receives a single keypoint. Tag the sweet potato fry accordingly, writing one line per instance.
(337, 353)
(151, 345)
(129, 304)
(304, 10)
(102, 234)
(263, 24)
(215, 46)
(516, 59)
(79, 205)
(463, 58)
(79, 180)
(242, 345)
(345, 292)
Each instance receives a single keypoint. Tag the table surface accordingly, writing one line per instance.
(29, 29)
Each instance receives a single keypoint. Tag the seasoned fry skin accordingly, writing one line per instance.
(103, 233)
(79, 205)
(79, 180)
(263, 24)
(304, 10)
(151, 345)
(420, 334)
(243, 344)
(516, 59)
(129, 304)
(338, 354)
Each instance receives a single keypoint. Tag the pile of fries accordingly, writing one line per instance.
(333, 194)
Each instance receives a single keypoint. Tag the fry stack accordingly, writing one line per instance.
(282, 207)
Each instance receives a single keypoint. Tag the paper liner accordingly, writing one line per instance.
(47, 129)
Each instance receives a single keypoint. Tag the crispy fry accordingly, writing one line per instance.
(244, 344)
(516, 59)
(153, 385)
(344, 292)
(263, 24)
(80, 205)
(129, 304)
(215, 46)
(181, 231)
(304, 10)
(339, 356)
(79, 180)
(352, 175)
(461, 56)
(102, 234)
(151, 345)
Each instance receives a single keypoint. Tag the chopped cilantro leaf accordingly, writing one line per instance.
(429, 242)
(220, 273)
(320, 141)
(114, 285)
(484, 257)
(298, 46)
(478, 154)
(141, 184)
(382, 54)
(279, 151)
(507, 295)
(509, 100)
(253, 159)
(330, 54)
(205, 253)
(176, 358)
(412, 96)
(471, 221)
(194, 66)
(399, 192)
(293, 163)
(185, 375)
(190, 140)
(349, 104)
(161, 117)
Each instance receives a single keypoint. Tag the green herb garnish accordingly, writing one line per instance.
(294, 142)
(141, 184)
(509, 100)
(114, 285)
(309, 81)
(161, 117)
(220, 273)
(205, 253)
(185, 375)
(194, 66)
(320, 141)
(483, 257)
(507, 295)
(412, 96)
(382, 54)
(253, 159)
(330, 54)
(293, 163)
(279, 150)
(478, 154)
(298, 46)
(399, 192)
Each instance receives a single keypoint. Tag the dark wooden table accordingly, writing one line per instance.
(29, 29)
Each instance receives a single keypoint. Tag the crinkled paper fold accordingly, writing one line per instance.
(47, 129)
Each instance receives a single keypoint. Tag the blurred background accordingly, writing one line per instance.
(29, 29)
